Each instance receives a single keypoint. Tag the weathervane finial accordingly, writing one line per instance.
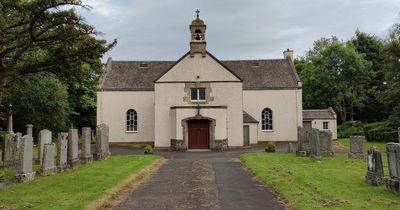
(197, 11)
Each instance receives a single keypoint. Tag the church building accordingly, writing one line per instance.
(199, 101)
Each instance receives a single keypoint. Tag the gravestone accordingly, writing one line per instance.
(102, 147)
(356, 147)
(393, 156)
(315, 148)
(325, 139)
(375, 174)
(73, 149)
(48, 166)
(301, 147)
(18, 138)
(9, 150)
(62, 151)
(44, 138)
(29, 128)
(87, 157)
(25, 173)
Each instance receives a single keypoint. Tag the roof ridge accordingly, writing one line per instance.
(272, 59)
(121, 61)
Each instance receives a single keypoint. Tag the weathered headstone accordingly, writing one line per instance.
(29, 128)
(49, 159)
(325, 139)
(44, 138)
(73, 149)
(25, 173)
(301, 147)
(315, 148)
(356, 147)
(375, 174)
(9, 150)
(393, 156)
(87, 156)
(62, 152)
(102, 147)
(18, 139)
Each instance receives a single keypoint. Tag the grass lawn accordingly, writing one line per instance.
(333, 183)
(381, 146)
(75, 189)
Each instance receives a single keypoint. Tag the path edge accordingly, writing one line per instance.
(115, 195)
(282, 199)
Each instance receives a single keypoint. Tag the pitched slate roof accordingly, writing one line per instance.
(248, 118)
(319, 114)
(256, 74)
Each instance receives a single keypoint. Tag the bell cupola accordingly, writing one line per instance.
(197, 36)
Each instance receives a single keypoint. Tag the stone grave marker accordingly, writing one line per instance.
(393, 156)
(325, 138)
(356, 147)
(301, 147)
(62, 152)
(315, 150)
(29, 128)
(9, 150)
(290, 148)
(44, 138)
(18, 139)
(48, 166)
(87, 156)
(375, 175)
(73, 149)
(102, 147)
(25, 173)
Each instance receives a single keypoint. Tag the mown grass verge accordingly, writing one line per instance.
(75, 189)
(333, 183)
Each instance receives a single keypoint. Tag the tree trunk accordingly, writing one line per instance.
(343, 112)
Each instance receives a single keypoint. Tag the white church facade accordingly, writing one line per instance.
(200, 102)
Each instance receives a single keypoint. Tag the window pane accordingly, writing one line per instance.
(194, 94)
(202, 94)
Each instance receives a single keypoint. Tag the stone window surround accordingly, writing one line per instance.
(189, 86)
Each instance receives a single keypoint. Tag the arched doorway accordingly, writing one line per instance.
(198, 134)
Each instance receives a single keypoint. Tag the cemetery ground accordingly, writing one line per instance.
(78, 188)
(332, 183)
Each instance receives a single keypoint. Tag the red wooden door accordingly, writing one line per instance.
(199, 134)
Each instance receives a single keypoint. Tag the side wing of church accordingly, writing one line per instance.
(200, 102)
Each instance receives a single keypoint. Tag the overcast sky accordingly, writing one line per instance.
(236, 29)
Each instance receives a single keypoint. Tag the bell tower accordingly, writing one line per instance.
(197, 36)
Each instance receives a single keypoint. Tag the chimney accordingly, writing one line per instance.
(288, 53)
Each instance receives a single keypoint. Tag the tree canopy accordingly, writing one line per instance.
(46, 35)
(334, 74)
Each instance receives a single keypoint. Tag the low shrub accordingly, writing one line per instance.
(270, 147)
(380, 131)
(350, 128)
(148, 149)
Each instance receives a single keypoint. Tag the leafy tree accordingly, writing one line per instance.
(40, 99)
(46, 35)
(334, 74)
(371, 47)
(391, 68)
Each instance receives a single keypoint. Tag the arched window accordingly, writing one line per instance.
(131, 120)
(266, 119)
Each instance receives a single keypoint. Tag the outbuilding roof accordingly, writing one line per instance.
(319, 114)
(248, 118)
(255, 74)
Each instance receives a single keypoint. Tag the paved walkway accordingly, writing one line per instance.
(201, 180)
